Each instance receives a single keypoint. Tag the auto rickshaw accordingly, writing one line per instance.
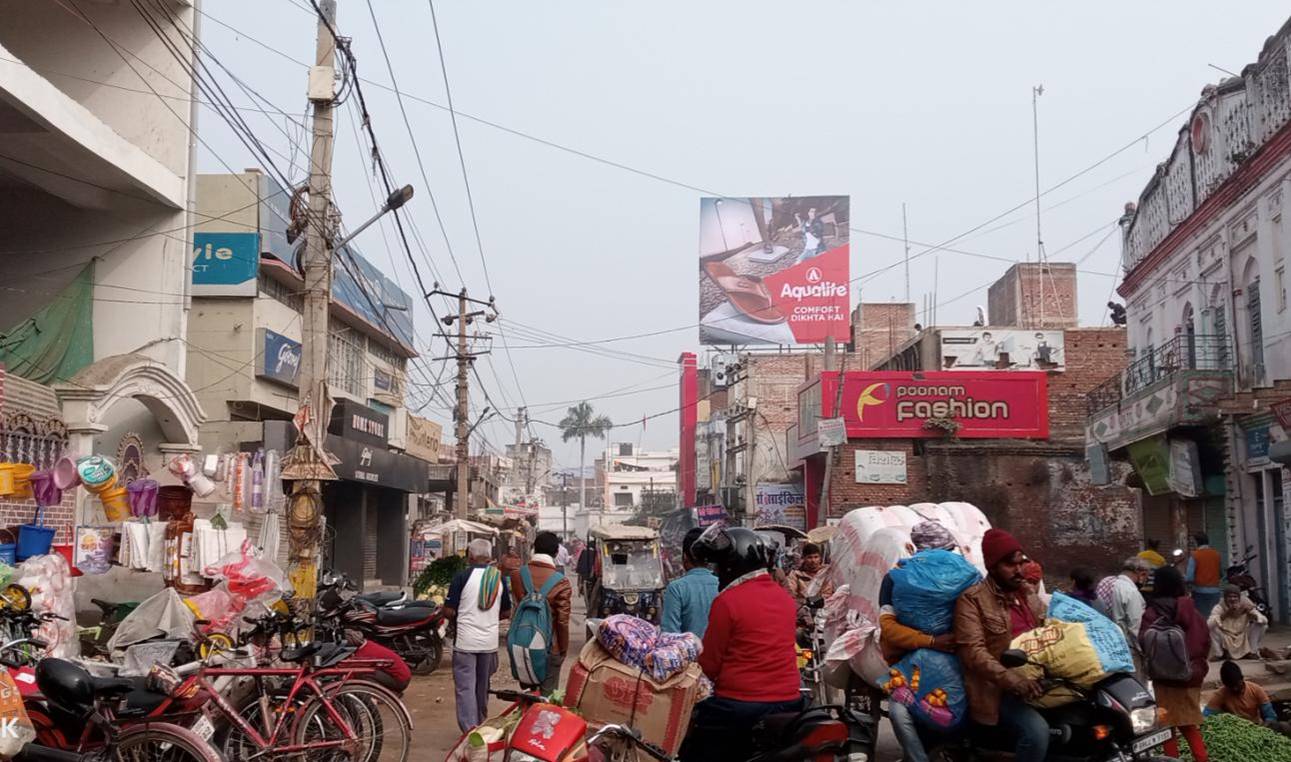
(628, 578)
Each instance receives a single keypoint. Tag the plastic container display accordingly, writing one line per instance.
(65, 475)
(97, 473)
(143, 497)
(116, 506)
(34, 539)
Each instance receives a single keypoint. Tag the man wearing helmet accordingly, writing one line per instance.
(749, 647)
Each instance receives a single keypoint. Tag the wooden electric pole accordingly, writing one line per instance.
(308, 465)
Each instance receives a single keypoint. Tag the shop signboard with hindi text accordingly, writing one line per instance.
(969, 404)
(780, 505)
(880, 467)
(707, 515)
(774, 270)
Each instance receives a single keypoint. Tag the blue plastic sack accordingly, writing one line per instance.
(931, 684)
(925, 587)
(1108, 639)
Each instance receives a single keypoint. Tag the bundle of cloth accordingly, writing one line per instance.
(869, 543)
(929, 682)
(638, 643)
(1076, 643)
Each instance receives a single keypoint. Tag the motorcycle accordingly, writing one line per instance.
(550, 733)
(811, 654)
(1240, 574)
(1114, 721)
(415, 633)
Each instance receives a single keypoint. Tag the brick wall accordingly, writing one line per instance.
(1093, 355)
(1041, 493)
(1015, 299)
(878, 329)
(14, 513)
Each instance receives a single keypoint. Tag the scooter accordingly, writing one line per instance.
(550, 733)
(1240, 574)
(415, 633)
(1114, 721)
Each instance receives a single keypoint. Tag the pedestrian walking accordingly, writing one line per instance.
(1178, 700)
(688, 598)
(477, 601)
(541, 569)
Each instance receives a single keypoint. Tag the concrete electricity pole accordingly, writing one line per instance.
(464, 359)
(307, 465)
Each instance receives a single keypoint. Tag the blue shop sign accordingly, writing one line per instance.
(226, 263)
(1257, 443)
(279, 359)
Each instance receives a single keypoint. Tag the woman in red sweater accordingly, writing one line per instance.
(750, 648)
(1180, 702)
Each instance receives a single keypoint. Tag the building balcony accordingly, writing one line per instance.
(1179, 383)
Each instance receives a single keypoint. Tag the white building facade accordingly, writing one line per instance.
(1205, 253)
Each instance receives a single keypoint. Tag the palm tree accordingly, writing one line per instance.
(579, 423)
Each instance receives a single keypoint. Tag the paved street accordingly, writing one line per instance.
(430, 699)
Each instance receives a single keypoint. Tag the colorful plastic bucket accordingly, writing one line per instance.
(143, 497)
(116, 503)
(6, 479)
(65, 476)
(8, 548)
(97, 473)
(69, 553)
(44, 489)
(34, 539)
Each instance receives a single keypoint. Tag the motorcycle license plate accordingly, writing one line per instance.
(1148, 742)
(204, 727)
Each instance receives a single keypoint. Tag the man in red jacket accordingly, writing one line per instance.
(749, 651)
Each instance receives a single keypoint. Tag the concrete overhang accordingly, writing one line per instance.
(49, 140)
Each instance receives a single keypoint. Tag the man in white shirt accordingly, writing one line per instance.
(477, 600)
(1123, 603)
(562, 558)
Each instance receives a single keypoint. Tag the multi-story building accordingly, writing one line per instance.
(96, 179)
(1205, 289)
(245, 333)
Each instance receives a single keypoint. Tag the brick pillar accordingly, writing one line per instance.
(689, 409)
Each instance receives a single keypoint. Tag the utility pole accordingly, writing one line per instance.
(1036, 92)
(307, 464)
(564, 503)
(464, 357)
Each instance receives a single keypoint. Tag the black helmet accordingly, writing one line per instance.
(734, 551)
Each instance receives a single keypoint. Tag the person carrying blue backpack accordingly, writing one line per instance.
(538, 639)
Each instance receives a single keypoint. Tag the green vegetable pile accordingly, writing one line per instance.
(1230, 738)
(434, 579)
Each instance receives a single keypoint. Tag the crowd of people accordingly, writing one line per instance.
(745, 610)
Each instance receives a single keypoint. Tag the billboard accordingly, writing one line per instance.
(780, 505)
(225, 264)
(976, 404)
(1001, 349)
(774, 270)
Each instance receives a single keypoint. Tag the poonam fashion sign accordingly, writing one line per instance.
(971, 404)
(774, 270)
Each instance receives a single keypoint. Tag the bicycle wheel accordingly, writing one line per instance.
(214, 643)
(378, 721)
(160, 742)
(15, 597)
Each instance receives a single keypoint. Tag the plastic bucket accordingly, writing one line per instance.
(8, 548)
(66, 552)
(143, 497)
(65, 476)
(6, 479)
(44, 489)
(173, 501)
(34, 539)
(22, 480)
(97, 473)
(116, 503)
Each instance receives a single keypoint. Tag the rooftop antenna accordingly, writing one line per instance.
(905, 238)
(1036, 92)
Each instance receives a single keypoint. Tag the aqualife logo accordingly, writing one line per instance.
(825, 290)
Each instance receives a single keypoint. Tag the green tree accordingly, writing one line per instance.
(581, 422)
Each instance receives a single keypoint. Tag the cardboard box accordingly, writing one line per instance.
(607, 691)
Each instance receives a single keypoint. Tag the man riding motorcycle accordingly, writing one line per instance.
(749, 648)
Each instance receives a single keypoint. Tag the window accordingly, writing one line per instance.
(382, 352)
(623, 500)
(1280, 287)
(345, 365)
(281, 293)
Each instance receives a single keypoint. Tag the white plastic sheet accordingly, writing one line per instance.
(163, 614)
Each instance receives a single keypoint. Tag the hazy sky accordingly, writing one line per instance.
(923, 103)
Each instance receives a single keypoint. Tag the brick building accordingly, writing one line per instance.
(878, 328)
(1035, 295)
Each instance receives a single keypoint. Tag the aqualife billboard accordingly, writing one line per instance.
(774, 270)
(968, 404)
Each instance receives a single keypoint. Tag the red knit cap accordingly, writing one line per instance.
(998, 545)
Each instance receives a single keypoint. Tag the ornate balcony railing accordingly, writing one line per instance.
(1183, 352)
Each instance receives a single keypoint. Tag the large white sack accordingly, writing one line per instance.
(869, 543)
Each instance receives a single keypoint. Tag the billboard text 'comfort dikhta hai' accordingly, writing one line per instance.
(773, 270)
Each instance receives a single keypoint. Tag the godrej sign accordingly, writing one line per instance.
(906, 405)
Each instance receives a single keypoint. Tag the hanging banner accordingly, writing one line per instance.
(707, 515)
(774, 270)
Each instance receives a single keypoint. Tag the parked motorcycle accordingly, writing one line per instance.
(415, 633)
(811, 654)
(1114, 721)
(1240, 574)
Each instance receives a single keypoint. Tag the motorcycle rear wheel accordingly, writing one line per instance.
(434, 649)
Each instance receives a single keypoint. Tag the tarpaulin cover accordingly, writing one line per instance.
(931, 684)
(58, 340)
(925, 587)
(161, 615)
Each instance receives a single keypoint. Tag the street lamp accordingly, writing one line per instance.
(396, 199)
